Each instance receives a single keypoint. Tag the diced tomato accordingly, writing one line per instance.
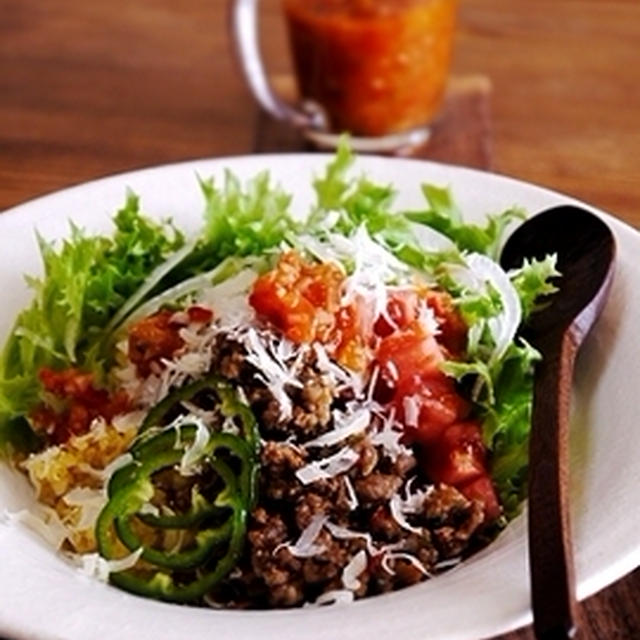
(482, 489)
(298, 297)
(402, 310)
(458, 456)
(199, 314)
(453, 329)
(410, 377)
(153, 338)
(68, 382)
(439, 405)
(293, 314)
(352, 335)
(410, 352)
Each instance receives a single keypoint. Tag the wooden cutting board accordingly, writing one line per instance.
(461, 134)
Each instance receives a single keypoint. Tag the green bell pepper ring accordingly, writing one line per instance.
(132, 487)
(231, 406)
(206, 540)
(162, 586)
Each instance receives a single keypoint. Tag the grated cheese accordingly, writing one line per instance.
(272, 373)
(350, 573)
(89, 503)
(95, 566)
(229, 300)
(342, 533)
(346, 377)
(389, 437)
(352, 498)
(392, 556)
(345, 426)
(397, 513)
(328, 467)
(305, 546)
(333, 597)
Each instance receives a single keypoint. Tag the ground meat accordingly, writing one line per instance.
(269, 574)
(368, 456)
(377, 487)
(276, 570)
(280, 461)
(404, 463)
(311, 413)
(454, 519)
(309, 505)
(383, 525)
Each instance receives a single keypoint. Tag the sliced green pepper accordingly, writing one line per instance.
(163, 586)
(217, 545)
(206, 539)
(230, 406)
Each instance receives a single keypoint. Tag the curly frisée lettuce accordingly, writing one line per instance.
(86, 280)
(96, 292)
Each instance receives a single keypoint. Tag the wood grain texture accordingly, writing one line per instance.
(461, 134)
(88, 89)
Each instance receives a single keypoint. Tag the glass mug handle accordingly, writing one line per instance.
(244, 32)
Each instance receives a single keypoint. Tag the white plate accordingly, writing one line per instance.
(42, 597)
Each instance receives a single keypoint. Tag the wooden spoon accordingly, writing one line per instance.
(585, 247)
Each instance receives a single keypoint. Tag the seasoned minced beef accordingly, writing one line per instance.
(439, 528)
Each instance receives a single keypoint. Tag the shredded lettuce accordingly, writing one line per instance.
(86, 280)
(243, 221)
(444, 215)
(534, 282)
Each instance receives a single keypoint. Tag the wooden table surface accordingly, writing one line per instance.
(93, 88)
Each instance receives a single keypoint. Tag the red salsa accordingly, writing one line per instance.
(376, 66)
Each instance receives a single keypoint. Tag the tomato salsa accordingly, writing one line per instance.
(376, 66)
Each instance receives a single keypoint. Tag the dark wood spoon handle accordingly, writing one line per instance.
(550, 553)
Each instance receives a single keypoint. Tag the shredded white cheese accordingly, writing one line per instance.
(42, 520)
(126, 422)
(346, 425)
(271, 372)
(189, 463)
(89, 502)
(397, 513)
(351, 493)
(328, 467)
(305, 546)
(333, 597)
(389, 436)
(392, 556)
(95, 566)
(342, 533)
(229, 299)
(350, 573)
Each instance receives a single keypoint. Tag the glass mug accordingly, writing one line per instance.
(374, 68)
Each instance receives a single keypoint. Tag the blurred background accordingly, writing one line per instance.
(103, 86)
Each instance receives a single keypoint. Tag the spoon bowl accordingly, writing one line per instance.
(585, 250)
